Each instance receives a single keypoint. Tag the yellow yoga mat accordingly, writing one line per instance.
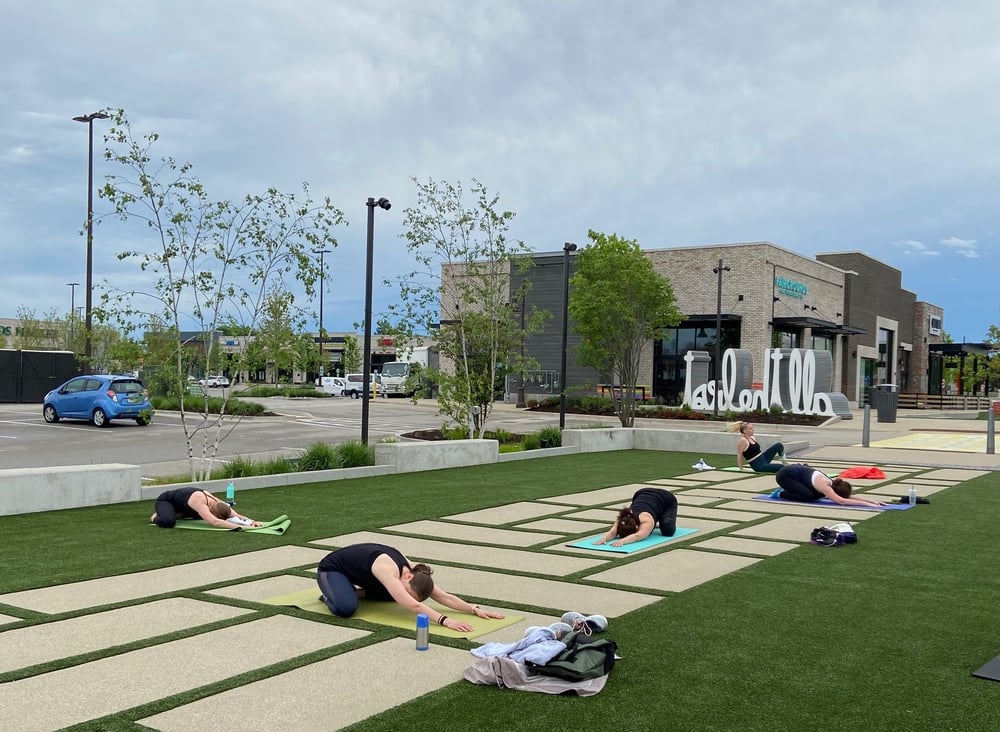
(389, 613)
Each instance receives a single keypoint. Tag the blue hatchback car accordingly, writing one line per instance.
(99, 399)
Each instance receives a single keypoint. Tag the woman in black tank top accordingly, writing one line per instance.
(748, 451)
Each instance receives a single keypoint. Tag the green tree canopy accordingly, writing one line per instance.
(618, 303)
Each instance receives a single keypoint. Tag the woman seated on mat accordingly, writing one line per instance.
(748, 449)
(380, 572)
(649, 507)
(194, 503)
(804, 483)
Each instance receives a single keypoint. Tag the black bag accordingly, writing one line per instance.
(585, 657)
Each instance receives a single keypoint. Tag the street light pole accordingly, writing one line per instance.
(567, 248)
(718, 337)
(72, 308)
(382, 203)
(322, 273)
(88, 119)
(521, 404)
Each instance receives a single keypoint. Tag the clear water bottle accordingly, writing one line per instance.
(423, 632)
(912, 495)
(231, 493)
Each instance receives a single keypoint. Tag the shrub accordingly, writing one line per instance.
(277, 465)
(238, 467)
(532, 441)
(457, 432)
(550, 437)
(318, 456)
(354, 454)
(531, 403)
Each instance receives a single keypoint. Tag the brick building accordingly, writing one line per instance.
(847, 303)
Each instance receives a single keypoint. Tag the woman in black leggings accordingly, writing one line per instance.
(381, 572)
(649, 507)
(804, 483)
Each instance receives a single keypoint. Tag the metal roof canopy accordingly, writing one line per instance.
(960, 349)
(821, 326)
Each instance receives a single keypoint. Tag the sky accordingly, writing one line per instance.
(841, 125)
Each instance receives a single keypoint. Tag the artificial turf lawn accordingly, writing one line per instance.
(882, 635)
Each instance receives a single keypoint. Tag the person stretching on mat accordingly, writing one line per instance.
(194, 503)
(380, 572)
(748, 449)
(804, 483)
(650, 506)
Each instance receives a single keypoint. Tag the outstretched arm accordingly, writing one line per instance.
(646, 524)
(611, 534)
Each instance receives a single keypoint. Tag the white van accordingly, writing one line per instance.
(356, 385)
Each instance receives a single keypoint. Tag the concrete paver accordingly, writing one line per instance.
(327, 695)
(676, 570)
(135, 586)
(745, 546)
(465, 532)
(479, 556)
(500, 515)
(44, 642)
(73, 695)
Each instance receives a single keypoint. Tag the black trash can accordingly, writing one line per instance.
(885, 400)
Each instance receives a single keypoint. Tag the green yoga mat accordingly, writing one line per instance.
(389, 613)
(275, 526)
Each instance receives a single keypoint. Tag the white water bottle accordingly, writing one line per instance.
(231, 493)
(423, 632)
(913, 496)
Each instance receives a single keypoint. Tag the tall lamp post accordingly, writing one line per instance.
(89, 120)
(521, 404)
(567, 248)
(322, 273)
(382, 203)
(718, 337)
(72, 308)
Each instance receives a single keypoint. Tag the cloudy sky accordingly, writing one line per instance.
(817, 125)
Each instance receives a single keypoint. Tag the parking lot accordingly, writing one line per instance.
(26, 441)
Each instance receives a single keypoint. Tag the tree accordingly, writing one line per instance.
(461, 296)
(350, 358)
(46, 333)
(276, 336)
(208, 263)
(618, 303)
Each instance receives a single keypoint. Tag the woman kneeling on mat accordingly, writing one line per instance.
(650, 506)
(804, 483)
(380, 572)
(194, 503)
(748, 449)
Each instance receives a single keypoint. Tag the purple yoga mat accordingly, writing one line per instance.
(828, 502)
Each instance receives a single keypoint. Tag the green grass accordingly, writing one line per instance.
(878, 636)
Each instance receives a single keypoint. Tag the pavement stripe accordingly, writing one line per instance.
(110, 685)
(479, 556)
(51, 641)
(327, 695)
(506, 514)
(676, 570)
(465, 532)
(122, 588)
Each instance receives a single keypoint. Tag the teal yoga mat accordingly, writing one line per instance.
(275, 526)
(654, 539)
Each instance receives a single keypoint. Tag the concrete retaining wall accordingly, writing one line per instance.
(27, 490)
(410, 457)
